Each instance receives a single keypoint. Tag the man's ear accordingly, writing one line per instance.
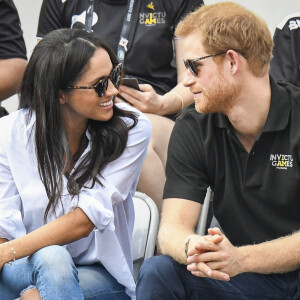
(234, 61)
(62, 97)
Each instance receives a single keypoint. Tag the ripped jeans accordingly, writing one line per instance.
(52, 271)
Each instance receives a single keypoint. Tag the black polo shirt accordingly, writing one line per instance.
(12, 44)
(256, 195)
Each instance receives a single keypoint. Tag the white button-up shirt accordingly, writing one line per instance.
(23, 197)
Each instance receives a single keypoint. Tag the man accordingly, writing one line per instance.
(285, 65)
(242, 139)
(12, 51)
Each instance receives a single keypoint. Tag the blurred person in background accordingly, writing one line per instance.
(285, 65)
(12, 52)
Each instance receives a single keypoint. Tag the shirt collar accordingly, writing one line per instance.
(279, 112)
(278, 115)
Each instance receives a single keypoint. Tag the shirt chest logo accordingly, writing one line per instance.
(151, 17)
(294, 24)
(281, 161)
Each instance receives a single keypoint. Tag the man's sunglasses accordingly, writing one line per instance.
(191, 64)
(101, 86)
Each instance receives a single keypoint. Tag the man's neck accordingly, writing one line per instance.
(249, 115)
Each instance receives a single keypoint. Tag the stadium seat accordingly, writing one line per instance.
(144, 231)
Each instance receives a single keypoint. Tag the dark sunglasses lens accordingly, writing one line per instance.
(115, 76)
(101, 87)
(193, 68)
(189, 64)
(186, 64)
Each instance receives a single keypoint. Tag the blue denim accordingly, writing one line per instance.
(55, 275)
(163, 278)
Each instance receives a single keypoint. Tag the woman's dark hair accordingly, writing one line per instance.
(57, 62)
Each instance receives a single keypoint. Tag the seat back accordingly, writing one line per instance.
(201, 227)
(144, 231)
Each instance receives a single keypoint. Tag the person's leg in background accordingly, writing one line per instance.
(152, 179)
(163, 278)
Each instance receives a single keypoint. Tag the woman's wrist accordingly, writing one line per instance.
(7, 255)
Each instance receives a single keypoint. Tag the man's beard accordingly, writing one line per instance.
(221, 96)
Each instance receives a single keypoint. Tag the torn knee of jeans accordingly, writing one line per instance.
(31, 287)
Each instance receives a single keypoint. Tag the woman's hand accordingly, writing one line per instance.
(146, 100)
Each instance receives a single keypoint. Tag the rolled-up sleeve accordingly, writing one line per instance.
(96, 204)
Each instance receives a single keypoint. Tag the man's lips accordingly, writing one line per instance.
(196, 94)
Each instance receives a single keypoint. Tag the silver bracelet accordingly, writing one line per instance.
(186, 246)
(12, 249)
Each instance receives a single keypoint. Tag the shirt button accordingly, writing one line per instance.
(253, 153)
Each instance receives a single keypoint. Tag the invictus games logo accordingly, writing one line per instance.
(294, 24)
(151, 17)
(281, 161)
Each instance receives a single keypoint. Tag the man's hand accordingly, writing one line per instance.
(199, 245)
(146, 100)
(221, 260)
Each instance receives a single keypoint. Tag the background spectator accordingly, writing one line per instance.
(12, 51)
(285, 65)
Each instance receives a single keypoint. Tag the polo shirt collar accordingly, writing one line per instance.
(280, 108)
(278, 115)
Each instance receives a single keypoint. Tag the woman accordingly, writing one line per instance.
(150, 53)
(69, 165)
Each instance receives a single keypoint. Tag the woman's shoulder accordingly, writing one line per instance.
(14, 123)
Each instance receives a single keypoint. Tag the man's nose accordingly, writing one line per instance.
(189, 79)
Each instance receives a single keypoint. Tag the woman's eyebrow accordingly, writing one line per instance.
(94, 81)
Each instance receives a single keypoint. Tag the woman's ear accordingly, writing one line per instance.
(62, 97)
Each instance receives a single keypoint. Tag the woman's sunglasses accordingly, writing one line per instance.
(101, 86)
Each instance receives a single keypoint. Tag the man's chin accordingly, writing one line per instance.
(200, 108)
